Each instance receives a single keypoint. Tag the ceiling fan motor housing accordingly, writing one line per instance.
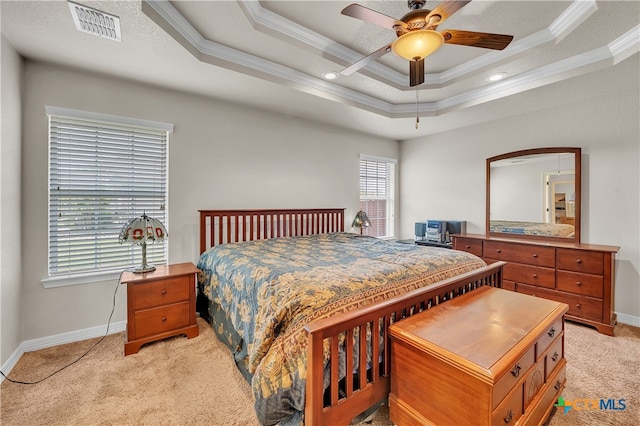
(415, 4)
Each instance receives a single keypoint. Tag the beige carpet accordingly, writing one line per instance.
(183, 381)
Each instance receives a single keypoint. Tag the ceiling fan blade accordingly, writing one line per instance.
(366, 60)
(416, 72)
(471, 38)
(369, 15)
(444, 10)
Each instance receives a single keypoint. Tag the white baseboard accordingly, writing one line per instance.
(628, 319)
(59, 339)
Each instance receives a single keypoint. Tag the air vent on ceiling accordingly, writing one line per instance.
(95, 22)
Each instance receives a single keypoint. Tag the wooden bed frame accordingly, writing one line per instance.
(344, 399)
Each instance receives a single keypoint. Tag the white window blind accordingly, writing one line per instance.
(103, 171)
(377, 182)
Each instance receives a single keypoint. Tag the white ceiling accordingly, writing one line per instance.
(272, 55)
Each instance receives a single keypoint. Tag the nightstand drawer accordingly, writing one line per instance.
(160, 293)
(159, 320)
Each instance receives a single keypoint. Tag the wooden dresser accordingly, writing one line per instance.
(580, 275)
(160, 304)
(491, 357)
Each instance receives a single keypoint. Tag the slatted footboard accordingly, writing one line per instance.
(349, 396)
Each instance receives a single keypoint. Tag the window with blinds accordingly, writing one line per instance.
(377, 183)
(103, 171)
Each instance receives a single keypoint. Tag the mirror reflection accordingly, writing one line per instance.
(533, 193)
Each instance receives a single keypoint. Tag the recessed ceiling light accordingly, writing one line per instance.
(93, 21)
(330, 75)
(497, 77)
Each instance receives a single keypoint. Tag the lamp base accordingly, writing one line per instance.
(143, 268)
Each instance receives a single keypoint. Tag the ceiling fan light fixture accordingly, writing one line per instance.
(418, 44)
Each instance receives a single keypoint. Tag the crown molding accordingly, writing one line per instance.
(167, 17)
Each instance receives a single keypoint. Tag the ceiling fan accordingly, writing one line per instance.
(417, 35)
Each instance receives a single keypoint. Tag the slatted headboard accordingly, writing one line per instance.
(225, 226)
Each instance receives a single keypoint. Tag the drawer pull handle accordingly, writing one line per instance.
(535, 255)
(508, 417)
(498, 251)
(163, 292)
(578, 306)
(516, 371)
(579, 261)
(555, 356)
(164, 319)
(467, 246)
(535, 275)
(552, 332)
(558, 385)
(578, 283)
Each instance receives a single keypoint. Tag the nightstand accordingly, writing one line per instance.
(160, 304)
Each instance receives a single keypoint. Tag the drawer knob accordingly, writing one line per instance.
(552, 332)
(578, 283)
(578, 305)
(498, 251)
(535, 255)
(555, 356)
(558, 385)
(535, 275)
(516, 370)
(164, 319)
(467, 246)
(163, 292)
(579, 261)
(508, 417)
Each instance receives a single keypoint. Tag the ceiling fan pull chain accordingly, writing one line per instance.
(417, 110)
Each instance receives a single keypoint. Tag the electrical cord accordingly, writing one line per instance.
(113, 308)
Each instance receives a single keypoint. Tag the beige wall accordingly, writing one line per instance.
(10, 241)
(607, 130)
(220, 156)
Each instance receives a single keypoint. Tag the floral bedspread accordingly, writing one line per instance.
(271, 288)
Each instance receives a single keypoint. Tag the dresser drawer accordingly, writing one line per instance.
(579, 306)
(589, 262)
(533, 383)
(553, 357)
(520, 253)
(574, 282)
(469, 245)
(159, 320)
(162, 292)
(510, 410)
(548, 337)
(516, 371)
(534, 275)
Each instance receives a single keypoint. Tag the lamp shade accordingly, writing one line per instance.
(361, 221)
(418, 44)
(140, 231)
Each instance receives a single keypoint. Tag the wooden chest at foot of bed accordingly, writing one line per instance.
(491, 357)
(160, 304)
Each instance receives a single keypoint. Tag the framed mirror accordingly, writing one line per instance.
(535, 194)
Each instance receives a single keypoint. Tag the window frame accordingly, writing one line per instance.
(110, 273)
(391, 195)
